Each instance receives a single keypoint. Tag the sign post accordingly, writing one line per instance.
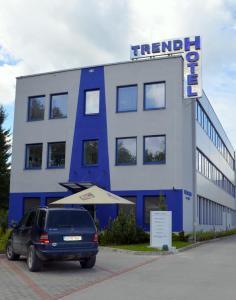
(161, 229)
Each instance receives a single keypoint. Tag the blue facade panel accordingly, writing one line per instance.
(91, 127)
(16, 202)
(105, 212)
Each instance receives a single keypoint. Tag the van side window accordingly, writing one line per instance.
(41, 218)
(30, 220)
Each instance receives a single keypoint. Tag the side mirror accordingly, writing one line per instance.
(14, 224)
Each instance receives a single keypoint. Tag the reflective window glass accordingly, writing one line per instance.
(154, 95)
(155, 149)
(36, 108)
(58, 108)
(56, 155)
(34, 156)
(92, 102)
(127, 98)
(126, 151)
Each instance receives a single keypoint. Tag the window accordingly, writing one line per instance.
(152, 203)
(126, 151)
(41, 219)
(92, 102)
(31, 219)
(91, 152)
(58, 106)
(128, 208)
(154, 95)
(34, 156)
(31, 203)
(56, 155)
(127, 98)
(36, 108)
(154, 149)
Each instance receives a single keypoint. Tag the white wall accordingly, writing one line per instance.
(44, 180)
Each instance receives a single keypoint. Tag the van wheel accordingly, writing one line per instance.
(88, 263)
(11, 255)
(33, 262)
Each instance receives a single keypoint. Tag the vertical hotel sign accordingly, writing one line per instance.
(189, 48)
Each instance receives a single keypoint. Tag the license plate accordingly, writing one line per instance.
(72, 238)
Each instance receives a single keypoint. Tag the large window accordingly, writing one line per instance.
(154, 95)
(152, 203)
(90, 152)
(212, 133)
(58, 106)
(126, 151)
(209, 170)
(34, 156)
(31, 203)
(92, 102)
(127, 98)
(36, 108)
(56, 155)
(128, 208)
(154, 149)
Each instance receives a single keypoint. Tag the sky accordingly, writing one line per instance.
(41, 36)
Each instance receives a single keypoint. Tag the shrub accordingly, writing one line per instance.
(183, 237)
(4, 238)
(3, 220)
(123, 230)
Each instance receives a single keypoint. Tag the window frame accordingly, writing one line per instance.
(48, 146)
(28, 108)
(117, 98)
(83, 152)
(85, 101)
(144, 98)
(153, 163)
(26, 152)
(50, 105)
(116, 151)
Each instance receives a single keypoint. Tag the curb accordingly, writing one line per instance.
(148, 253)
(197, 244)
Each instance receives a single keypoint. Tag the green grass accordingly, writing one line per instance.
(145, 247)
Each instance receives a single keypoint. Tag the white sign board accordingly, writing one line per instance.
(161, 229)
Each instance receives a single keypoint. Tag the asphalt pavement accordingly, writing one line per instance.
(206, 272)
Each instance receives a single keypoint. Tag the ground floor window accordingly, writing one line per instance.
(209, 212)
(52, 199)
(31, 203)
(152, 203)
(128, 209)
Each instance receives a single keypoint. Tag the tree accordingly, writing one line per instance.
(4, 161)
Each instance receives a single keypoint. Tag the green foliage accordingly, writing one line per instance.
(208, 235)
(4, 236)
(183, 237)
(4, 161)
(162, 202)
(123, 230)
(3, 220)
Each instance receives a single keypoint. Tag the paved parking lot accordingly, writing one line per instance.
(207, 272)
(60, 279)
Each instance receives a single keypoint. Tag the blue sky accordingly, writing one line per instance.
(33, 38)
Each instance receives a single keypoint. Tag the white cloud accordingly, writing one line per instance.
(49, 35)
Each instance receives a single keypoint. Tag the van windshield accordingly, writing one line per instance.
(69, 218)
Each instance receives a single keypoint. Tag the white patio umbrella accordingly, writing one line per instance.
(93, 195)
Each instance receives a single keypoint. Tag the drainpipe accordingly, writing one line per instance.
(194, 168)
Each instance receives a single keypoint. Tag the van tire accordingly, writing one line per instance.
(34, 264)
(11, 255)
(88, 263)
